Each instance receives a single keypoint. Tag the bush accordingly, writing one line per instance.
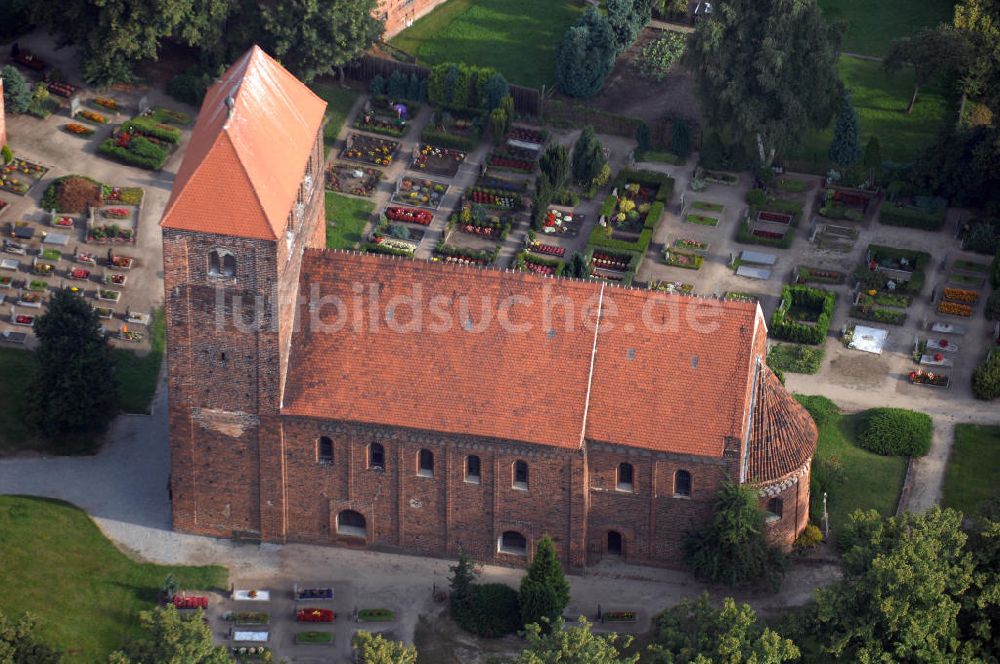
(756, 197)
(642, 136)
(986, 378)
(911, 217)
(659, 55)
(16, 91)
(7, 154)
(72, 194)
(680, 138)
(895, 432)
(821, 408)
(809, 538)
(981, 236)
(795, 358)
(190, 86)
(783, 326)
(491, 610)
(993, 306)
(140, 152)
(377, 86)
(445, 140)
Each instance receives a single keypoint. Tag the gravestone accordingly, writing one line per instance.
(143, 105)
(74, 106)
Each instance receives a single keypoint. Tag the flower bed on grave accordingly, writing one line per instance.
(108, 295)
(386, 118)
(356, 180)
(474, 221)
(961, 295)
(86, 258)
(618, 616)
(108, 103)
(561, 222)
(452, 129)
(411, 215)
(44, 269)
(804, 314)
(386, 244)
(30, 299)
(249, 653)
(807, 274)
(110, 234)
(63, 222)
(24, 319)
(78, 129)
(878, 314)
(526, 262)
(38, 286)
(6, 282)
(313, 638)
(701, 220)
(954, 309)
(450, 254)
(440, 161)
(839, 204)
(116, 213)
(929, 378)
(686, 260)
(419, 192)
(104, 313)
(135, 146)
(376, 615)
(508, 158)
(93, 116)
(51, 254)
(315, 615)
(687, 244)
(122, 195)
(493, 198)
(116, 280)
(885, 298)
(370, 150)
(547, 249)
(249, 618)
(324, 593)
(189, 601)
(121, 262)
(72, 194)
(62, 89)
(882, 261)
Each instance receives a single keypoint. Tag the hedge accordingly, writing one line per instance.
(154, 129)
(744, 236)
(523, 257)
(795, 358)
(787, 329)
(820, 408)
(986, 378)
(608, 206)
(895, 432)
(491, 610)
(634, 259)
(919, 259)
(599, 238)
(141, 153)
(466, 83)
(910, 217)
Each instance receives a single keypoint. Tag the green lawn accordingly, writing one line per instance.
(137, 376)
(872, 25)
(973, 473)
(880, 100)
(349, 216)
(339, 101)
(870, 481)
(517, 37)
(58, 565)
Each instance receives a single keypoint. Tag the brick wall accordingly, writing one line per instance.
(793, 492)
(397, 14)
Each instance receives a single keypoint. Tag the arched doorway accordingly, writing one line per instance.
(351, 523)
(614, 543)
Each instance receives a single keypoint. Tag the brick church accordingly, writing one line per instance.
(339, 398)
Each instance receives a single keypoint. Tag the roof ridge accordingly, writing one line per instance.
(590, 373)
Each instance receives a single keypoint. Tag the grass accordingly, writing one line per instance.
(792, 186)
(339, 102)
(869, 481)
(872, 25)
(88, 594)
(795, 358)
(16, 366)
(701, 220)
(705, 205)
(516, 37)
(971, 266)
(880, 100)
(973, 473)
(659, 156)
(314, 637)
(346, 218)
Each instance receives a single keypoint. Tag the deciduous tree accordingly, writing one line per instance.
(932, 52)
(19, 645)
(170, 638)
(376, 649)
(766, 72)
(573, 645)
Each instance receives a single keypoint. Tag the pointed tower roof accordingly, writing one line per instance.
(248, 152)
(783, 435)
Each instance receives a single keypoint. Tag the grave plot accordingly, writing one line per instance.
(419, 192)
(924, 212)
(678, 287)
(631, 213)
(529, 139)
(353, 179)
(513, 159)
(703, 213)
(612, 265)
(543, 248)
(562, 222)
(839, 203)
(804, 314)
(685, 258)
(381, 116)
(968, 274)
(146, 140)
(443, 162)
(453, 129)
(936, 353)
(958, 302)
(476, 219)
(20, 175)
(112, 224)
(770, 220)
(527, 262)
(450, 251)
(840, 239)
(753, 264)
(394, 238)
(888, 282)
(864, 338)
(370, 150)
(493, 199)
(805, 275)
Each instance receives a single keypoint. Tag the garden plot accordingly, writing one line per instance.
(562, 222)
(528, 139)
(840, 239)
(419, 192)
(395, 239)
(484, 254)
(686, 253)
(453, 129)
(888, 282)
(615, 266)
(968, 274)
(370, 150)
(437, 161)
(471, 241)
(527, 262)
(380, 116)
(147, 140)
(353, 179)
(845, 204)
(703, 213)
(475, 219)
(112, 224)
(805, 274)
(20, 175)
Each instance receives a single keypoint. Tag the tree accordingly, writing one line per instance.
(979, 21)
(544, 590)
(962, 165)
(680, 138)
(18, 644)
(377, 86)
(733, 548)
(398, 85)
(845, 148)
(73, 357)
(588, 156)
(932, 52)
(586, 55)
(495, 90)
(995, 270)
(577, 267)
(460, 582)
(627, 18)
(554, 165)
(872, 160)
(904, 581)
(698, 632)
(172, 639)
(573, 645)
(642, 136)
(16, 93)
(376, 649)
(312, 37)
(766, 72)
(986, 378)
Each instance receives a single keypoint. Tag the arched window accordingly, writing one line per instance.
(376, 456)
(514, 543)
(625, 473)
(324, 450)
(425, 463)
(221, 263)
(472, 472)
(682, 483)
(351, 523)
(775, 507)
(521, 475)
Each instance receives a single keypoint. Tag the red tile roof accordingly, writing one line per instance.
(682, 389)
(248, 152)
(782, 433)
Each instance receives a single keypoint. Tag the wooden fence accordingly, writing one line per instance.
(527, 101)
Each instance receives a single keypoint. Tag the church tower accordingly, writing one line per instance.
(247, 201)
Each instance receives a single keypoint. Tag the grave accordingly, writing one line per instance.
(868, 339)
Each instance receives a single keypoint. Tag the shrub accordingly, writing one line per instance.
(398, 86)
(981, 236)
(140, 152)
(459, 86)
(445, 140)
(993, 306)
(911, 217)
(588, 158)
(680, 138)
(659, 55)
(16, 91)
(72, 194)
(756, 197)
(986, 378)
(642, 136)
(7, 154)
(377, 86)
(783, 326)
(491, 610)
(795, 358)
(821, 408)
(809, 538)
(155, 129)
(190, 86)
(895, 432)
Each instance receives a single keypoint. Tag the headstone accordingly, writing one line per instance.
(143, 105)
(74, 106)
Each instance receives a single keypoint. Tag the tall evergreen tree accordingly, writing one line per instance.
(588, 156)
(766, 72)
(845, 148)
(627, 18)
(554, 165)
(314, 37)
(74, 391)
(586, 55)
(544, 590)
(16, 93)
(460, 582)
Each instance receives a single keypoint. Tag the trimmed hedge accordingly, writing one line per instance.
(155, 129)
(599, 238)
(783, 327)
(895, 432)
(491, 610)
(141, 153)
(634, 259)
(444, 140)
(910, 217)
(820, 408)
